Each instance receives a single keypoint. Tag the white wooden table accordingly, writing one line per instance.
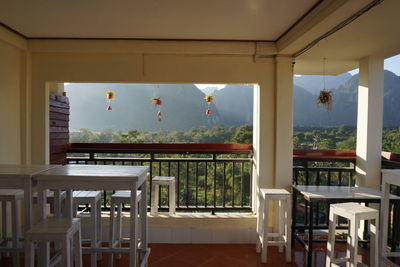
(16, 176)
(389, 177)
(102, 177)
(332, 194)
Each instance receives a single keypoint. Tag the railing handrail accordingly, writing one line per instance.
(324, 154)
(159, 148)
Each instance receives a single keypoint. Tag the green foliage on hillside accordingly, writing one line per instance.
(218, 134)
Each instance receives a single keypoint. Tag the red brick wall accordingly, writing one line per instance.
(59, 128)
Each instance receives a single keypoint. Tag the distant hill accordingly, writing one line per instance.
(184, 106)
(315, 83)
(344, 109)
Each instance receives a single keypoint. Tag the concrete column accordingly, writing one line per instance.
(284, 122)
(369, 122)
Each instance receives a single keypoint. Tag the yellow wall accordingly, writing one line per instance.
(12, 92)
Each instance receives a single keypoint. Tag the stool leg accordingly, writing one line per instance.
(119, 228)
(93, 235)
(265, 234)
(280, 223)
(330, 246)
(259, 223)
(288, 232)
(171, 198)
(99, 230)
(78, 248)
(66, 252)
(111, 232)
(353, 244)
(4, 222)
(154, 199)
(374, 243)
(15, 231)
(29, 253)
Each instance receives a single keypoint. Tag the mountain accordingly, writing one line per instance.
(344, 108)
(315, 83)
(184, 105)
(235, 104)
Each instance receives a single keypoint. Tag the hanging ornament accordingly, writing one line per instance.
(157, 103)
(109, 97)
(325, 97)
(209, 99)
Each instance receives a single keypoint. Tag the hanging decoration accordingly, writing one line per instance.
(325, 97)
(110, 95)
(209, 99)
(157, 103)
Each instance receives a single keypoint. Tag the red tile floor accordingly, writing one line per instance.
(219, 255)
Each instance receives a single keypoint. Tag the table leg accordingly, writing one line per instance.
(384, 218)
(310, 235)
(57, 204)
(44, 248)
(294, 207)
(28, 203)
(68, 204)
(143, 217)
(133, 227)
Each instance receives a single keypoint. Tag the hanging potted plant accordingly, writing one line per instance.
(325, 98)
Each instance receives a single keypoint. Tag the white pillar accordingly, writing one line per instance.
(284, 122)
(369, 122)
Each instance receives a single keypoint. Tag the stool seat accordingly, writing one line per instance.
(124, 196)
(274, 193)
(65, 231)
(11, 194)
(350, 209)
(354, 212)
(163, 179)
(83, 197)
(54, 226)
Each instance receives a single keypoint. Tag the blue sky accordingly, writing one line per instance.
(392, 64)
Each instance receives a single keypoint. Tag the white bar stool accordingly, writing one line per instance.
(66, 231)
(354, 212)
(283, 237)
(12, 196)
(92, 198)
(156, 182)
(117, 199)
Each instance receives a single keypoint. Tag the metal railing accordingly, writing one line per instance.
(209, 177)
(322, 167)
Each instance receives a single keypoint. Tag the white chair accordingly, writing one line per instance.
(12, 196)
(354, 212)
(92, 198)
(117, 200)
(65, 231)
(283, 236)
(156, 182)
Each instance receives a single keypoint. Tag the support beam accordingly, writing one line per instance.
(284, 122)
(369, 122)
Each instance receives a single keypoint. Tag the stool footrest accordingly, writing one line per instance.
(340, 260)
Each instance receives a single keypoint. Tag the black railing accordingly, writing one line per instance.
(322, 167)
(209, 177)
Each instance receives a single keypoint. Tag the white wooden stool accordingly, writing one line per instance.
(117, 199)
(66, 231)
(283, 237)
(156, 182)
(50, 199)
(12, 196)
(92, 198)
(354, 212)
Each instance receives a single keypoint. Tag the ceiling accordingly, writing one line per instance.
(375, 33)
(261, 20)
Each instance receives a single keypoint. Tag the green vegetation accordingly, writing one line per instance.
(217, 135)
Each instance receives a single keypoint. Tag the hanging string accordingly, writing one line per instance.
(323, 70)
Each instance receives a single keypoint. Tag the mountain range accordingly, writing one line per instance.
(184, 105)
